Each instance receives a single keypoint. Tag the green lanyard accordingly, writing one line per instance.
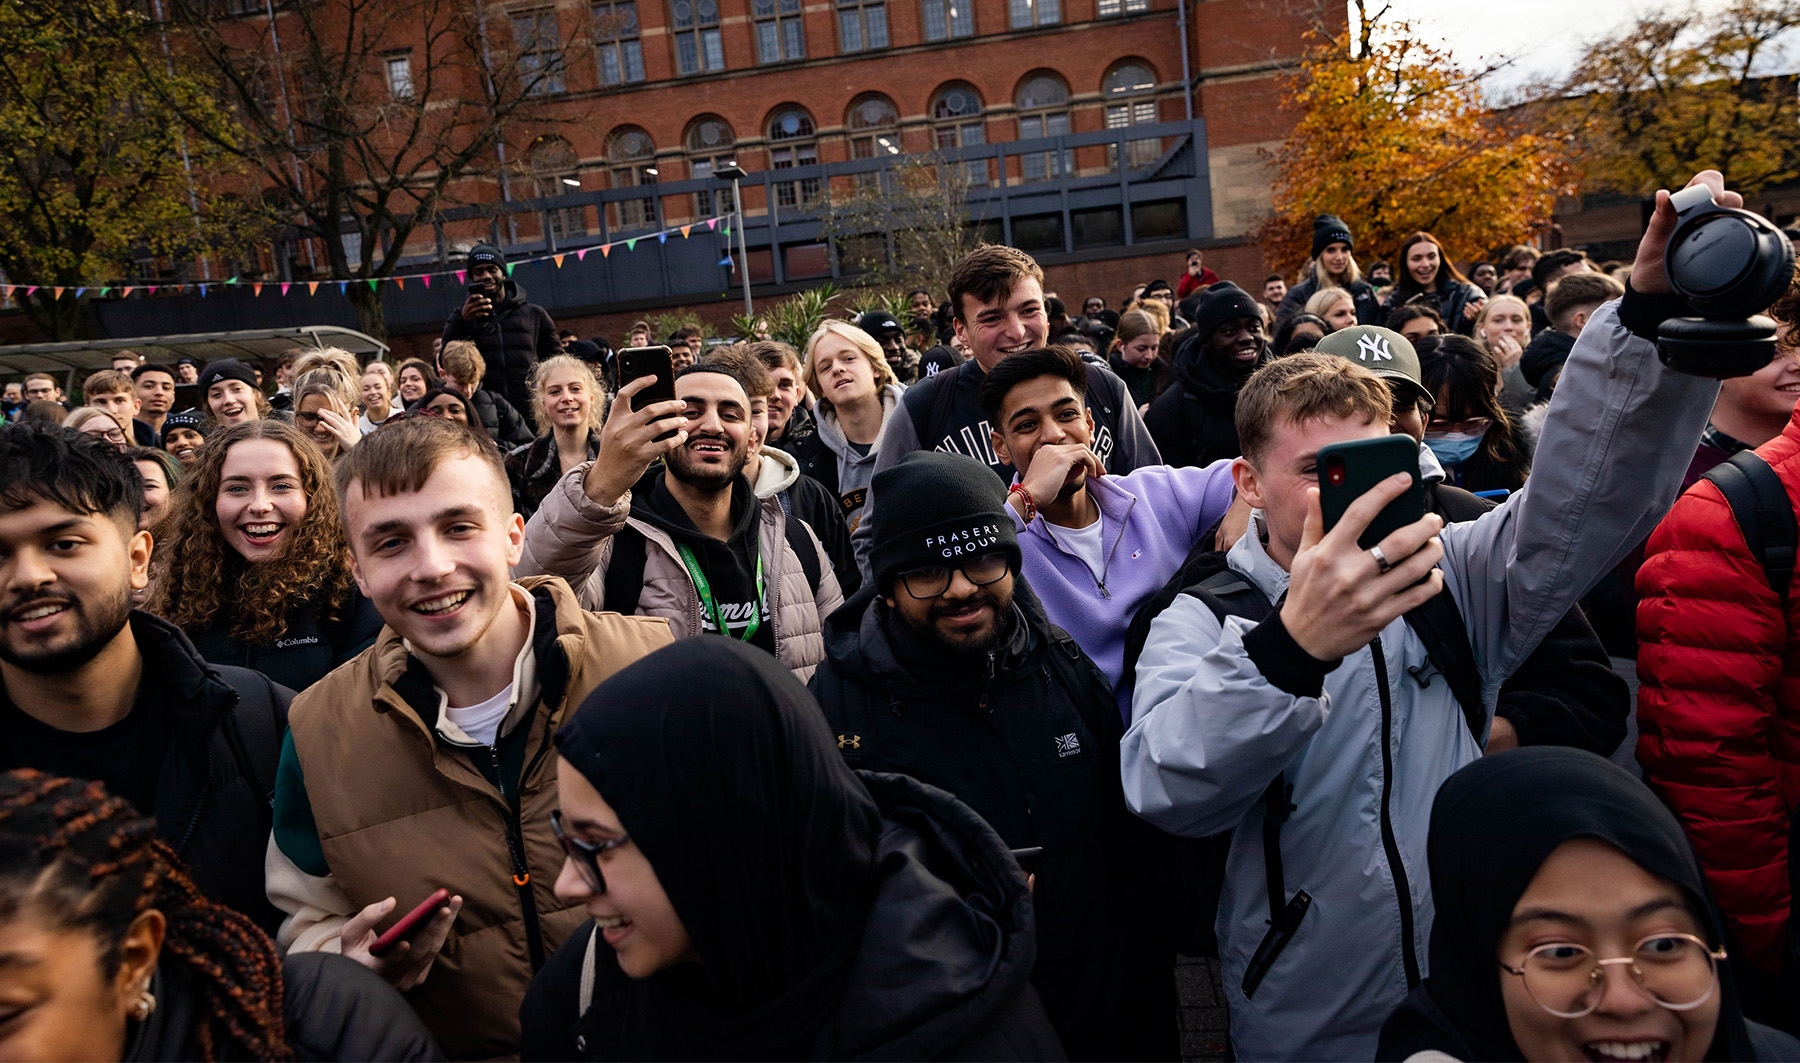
(706, 596)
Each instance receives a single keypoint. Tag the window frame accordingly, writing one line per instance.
(395, 92)
(552, 75)
(955, 25)
(626, 42)
(783, 16)
(703, 37)
(863, 14)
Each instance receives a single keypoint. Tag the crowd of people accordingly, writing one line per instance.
(921, 693)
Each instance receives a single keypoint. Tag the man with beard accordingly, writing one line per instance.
(91, 689)
(690, 542)
(945, 668)
(1193, 421)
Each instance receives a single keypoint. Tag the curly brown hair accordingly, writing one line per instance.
(201, 579)
(1786, 310)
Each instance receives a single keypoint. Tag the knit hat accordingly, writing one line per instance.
(878, 323)
(1330, 229)
(484, 253)
(1383, 352)
(225, 369)
(937, 508)
(1222, 302)
(188, 419)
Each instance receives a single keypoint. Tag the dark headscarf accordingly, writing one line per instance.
(1493, 824)
(720, 767)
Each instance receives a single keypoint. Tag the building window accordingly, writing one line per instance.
(399, 76)
(1108, 8)
(956, 117)
(874, 127)
(540, 52)
(1130, 91)
(1043, 102)
(945, 19)
(710, 145)
(697, 43)
(616, 45)
(791, 144)
(1028, 13)
(862, 25)
(631, 162)
(555, 172)
(778, 34)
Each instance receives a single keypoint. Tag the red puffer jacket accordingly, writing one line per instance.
(1719, 704)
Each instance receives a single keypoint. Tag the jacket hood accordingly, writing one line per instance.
(659, 509)
(832, 434)
(778, 473)
(1201, 377)
(197, 695)
(866, 643)
(950, 938)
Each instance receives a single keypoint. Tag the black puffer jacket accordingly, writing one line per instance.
(218, 770)
(1449, 300)
(1194, 422)
(1028, 737)
(512, 341)
(504, 425)
(941, 971)
(307, 649)
(336, 1009)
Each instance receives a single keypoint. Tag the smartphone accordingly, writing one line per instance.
(486, 291)
(635, 362)
(409, 924)
(1029, 859)
(1348, 470)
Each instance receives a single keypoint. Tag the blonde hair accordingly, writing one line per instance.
(1494, 302)
(82, 415)
(862, 341)
(334, 358)
(1135, 323)
(1352, 274)
(541, 373)
(338, 389)
(1326, 298)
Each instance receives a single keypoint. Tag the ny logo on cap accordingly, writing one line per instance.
(1369, 344)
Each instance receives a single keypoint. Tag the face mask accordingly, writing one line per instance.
(1454, 448)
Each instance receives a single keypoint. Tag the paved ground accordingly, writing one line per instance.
(1202, 1009)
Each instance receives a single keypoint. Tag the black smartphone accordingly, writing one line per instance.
(635, 362)
(486, 291)
(1029, 859)
(1348, 470)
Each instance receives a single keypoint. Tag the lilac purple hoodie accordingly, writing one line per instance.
(1150, 519)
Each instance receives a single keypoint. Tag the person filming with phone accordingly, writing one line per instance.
(512, 335)
(1312, 695)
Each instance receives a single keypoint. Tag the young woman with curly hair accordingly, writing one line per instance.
(114, 954)
(256, 571)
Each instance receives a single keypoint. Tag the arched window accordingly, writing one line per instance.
(631, 162)
(791, 144)
(695, 25)
(1043, 102)
(555, 172)
(1130, 92)
(874, 126)
(956, 123)
(710, 145)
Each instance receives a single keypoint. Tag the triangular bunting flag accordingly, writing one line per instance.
(232, 280)
(56, 293)
(202, 291)
(401, 281)
(662, 237)
(509, 268)
(341, 286)
(312, 287)
(152, 288)
(462, 276)
(631, 244)
(605, 250)
(712, 223)
(684, 231)
(372, 284)
(425, 278)
(31, 290)
(558, 259)
(103, 292)
(726, 230)
(79, 292)
(285, 285)
(726, 261)
(6, 290)
(255, 288)
(581, 254)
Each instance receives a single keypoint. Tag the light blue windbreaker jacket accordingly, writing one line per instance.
(1209, 732)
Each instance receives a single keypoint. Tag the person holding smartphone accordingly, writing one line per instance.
(1334, 692)
(512, 334)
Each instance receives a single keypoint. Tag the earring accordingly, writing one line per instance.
(144, 1007)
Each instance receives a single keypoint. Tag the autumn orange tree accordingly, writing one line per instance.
(1393, 137)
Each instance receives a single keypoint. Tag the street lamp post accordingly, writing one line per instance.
(736, 173)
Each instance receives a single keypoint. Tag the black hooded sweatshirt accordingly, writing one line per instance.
(729, 567)
(1194, 422)
(1493, 824)
(834, 917)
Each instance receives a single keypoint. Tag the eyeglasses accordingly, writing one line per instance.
(307, 420)
(111, 435)
(1678, 971)
(585, 854)
(980, 570)
(1472, 425)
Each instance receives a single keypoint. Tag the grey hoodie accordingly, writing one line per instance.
(854, 471)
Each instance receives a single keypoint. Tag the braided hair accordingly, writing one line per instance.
(91, 862)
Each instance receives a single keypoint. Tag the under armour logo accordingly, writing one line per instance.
(1068, 745)
(849, 741)
(1370, 345)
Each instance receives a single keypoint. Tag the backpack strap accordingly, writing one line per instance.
(624, 580)
(1439, 625)
(254, 731)
(1759, 503)
(799, 536)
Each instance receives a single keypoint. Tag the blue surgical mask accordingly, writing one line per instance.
(1454, 448)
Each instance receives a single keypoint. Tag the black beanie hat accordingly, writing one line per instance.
(485, 253)
(189, 419)
(1330, 229)
(937, 508)
(225, 369)
(1222, 302)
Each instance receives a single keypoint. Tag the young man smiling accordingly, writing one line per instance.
(426, 761)
(155, 387)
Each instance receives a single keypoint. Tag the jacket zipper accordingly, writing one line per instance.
(200, 805)
(515, 845)
(987, 688)
(1402, 890)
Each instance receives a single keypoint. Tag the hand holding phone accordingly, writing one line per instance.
(479, 305)
(410, 946)
(635, 436)
(1340, 595)
(409, 924)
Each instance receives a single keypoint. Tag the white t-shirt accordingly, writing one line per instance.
(482, 722)
(1087, 543)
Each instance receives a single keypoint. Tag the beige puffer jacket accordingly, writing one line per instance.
(571, 536)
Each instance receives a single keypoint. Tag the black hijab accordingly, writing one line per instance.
(720, 767)
(1493, 824)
